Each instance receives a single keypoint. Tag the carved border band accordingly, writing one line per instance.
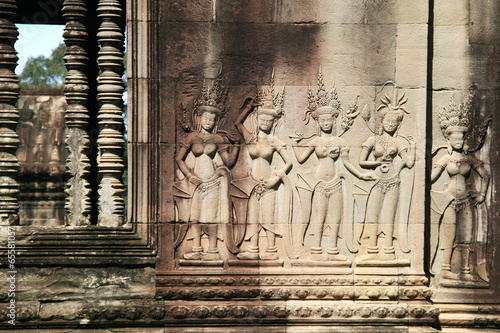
(90, 315)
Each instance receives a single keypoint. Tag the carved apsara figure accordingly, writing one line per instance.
(321, 191)
(457, 206)
(255, 196)
(202, 196)
(388, 199)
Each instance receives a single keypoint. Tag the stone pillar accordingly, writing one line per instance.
(9, 115)
(110, 90)
(76, 91)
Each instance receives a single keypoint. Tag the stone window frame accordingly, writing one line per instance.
(133, 243)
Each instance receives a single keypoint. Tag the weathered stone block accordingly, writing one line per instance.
(186, 11)
(451, 13)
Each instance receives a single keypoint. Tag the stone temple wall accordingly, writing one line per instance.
(315, 165)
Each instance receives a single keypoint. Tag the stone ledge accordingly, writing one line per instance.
(135, 313)
(228, 315)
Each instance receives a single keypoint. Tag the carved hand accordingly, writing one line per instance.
(250, 103)
(478, 198)
(254, 103)
(271, 182)
(193, 179)
(218, 173)
(367, 176)
(297, 137)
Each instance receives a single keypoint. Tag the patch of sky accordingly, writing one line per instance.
(36, 40)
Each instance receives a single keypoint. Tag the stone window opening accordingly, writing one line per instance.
(78, 194)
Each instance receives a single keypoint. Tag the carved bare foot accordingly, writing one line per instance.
(193, 256)
(388, 254)
(337, 257)
(319, 257)
(211, 256)
(449, 275)
(248, 256)
(371, 255)
(269, 256)
(251, 254)
(334, 255)
(466, 275)
(317, 254)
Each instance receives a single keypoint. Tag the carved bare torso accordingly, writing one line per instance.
(261, 150)
(385, 150)
(327, 151)
(459, 170)
(204, 148)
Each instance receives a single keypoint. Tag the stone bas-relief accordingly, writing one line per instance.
(389, 195)
(255, 196)
(322, 190)
(432, 49)
(240, 210)
(285, 243)
(202, 195)
(459, 219)
(41, 156)
(41, 131)
(290, 232)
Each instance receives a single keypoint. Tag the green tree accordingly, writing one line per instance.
(43, 72)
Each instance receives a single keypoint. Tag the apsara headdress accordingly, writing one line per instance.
(455, 117)
(394, 105)
(212, 99)
(271, 103)
(322, 101)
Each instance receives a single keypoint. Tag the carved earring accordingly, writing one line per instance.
(450, 149)
(397, 129)
(198, 124)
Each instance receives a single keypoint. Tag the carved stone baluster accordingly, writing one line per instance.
(9, 92)
(76, 91)
(110, 90)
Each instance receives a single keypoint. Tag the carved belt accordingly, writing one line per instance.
(330, 187)
(260, 190)
(460, 203)
(207, 187)
(388, 184)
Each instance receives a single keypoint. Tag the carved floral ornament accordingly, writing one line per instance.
(157, 311)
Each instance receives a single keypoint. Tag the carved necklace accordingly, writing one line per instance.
(206, 137)
(388, 144)
(458, 161)
(330, 142)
